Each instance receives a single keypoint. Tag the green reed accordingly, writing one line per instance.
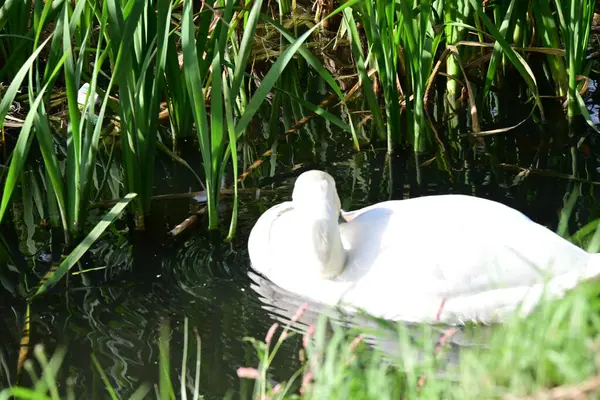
(402, 41)
(139, 40)
(222, 71)
(454, 13)
(574, 20)
(129, 52)
(69, 188)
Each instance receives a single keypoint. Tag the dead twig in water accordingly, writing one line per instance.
(178, 196)
(502, 130)
(547, 173)
(184, 225)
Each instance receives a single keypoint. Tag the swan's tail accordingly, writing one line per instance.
(558, 286)
(495, 305)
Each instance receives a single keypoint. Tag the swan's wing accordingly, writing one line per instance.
(261, 237)
(348, 216)
(454, 246)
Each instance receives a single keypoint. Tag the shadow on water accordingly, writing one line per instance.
(197, 275)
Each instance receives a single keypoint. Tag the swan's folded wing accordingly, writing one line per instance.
(260, 241)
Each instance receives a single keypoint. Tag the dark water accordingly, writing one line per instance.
(116, 313)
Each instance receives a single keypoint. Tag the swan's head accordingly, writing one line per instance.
(315, 192)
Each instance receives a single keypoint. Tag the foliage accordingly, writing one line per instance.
(552, 351)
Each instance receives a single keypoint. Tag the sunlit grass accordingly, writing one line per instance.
(555, 350)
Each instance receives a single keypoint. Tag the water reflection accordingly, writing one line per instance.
(115, 313)
(283, 306)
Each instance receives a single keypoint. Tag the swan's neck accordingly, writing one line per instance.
(321, 239)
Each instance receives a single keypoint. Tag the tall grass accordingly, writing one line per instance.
(139, 42)
(574, 20)
(130, 51)
(223, 73)
(403, 40)
(71, 186)
(550, 353)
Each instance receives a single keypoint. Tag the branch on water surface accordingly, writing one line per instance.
(178, 196)
(186, 224)
(547, 173)
(502, 130)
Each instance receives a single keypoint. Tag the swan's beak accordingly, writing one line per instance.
(344, 217)
(347, 216)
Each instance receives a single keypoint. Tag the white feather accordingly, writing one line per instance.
(447, 258)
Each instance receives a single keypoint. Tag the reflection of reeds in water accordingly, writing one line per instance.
(382, 335)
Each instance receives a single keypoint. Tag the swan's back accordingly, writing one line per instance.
(449, 247)
(461, 242)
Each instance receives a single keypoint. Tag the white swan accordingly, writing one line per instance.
(445, 258)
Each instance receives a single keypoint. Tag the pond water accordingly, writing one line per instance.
(202, 277)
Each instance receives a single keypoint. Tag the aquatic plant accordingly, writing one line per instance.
(406, 43)
(135, 57)
(70, 181)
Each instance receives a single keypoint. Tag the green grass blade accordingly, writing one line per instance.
(234, 157)
(19, 154)
(88, 158)
(13, 88)
(142, 392)
(245, 46)
(85, 245)
(120, 74)
(115, 23)
(334, 119)
(497, 51)
(367, 83)
(46, 142)
(164, 16)
(217, 122)
(165, 385)
(216, 135)
(275, 72)
(193, 77)
(184, 356)
(549, 35)
(22, 393)
(74, 145)
(585, 113)
(518, 61)
(107, 385)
